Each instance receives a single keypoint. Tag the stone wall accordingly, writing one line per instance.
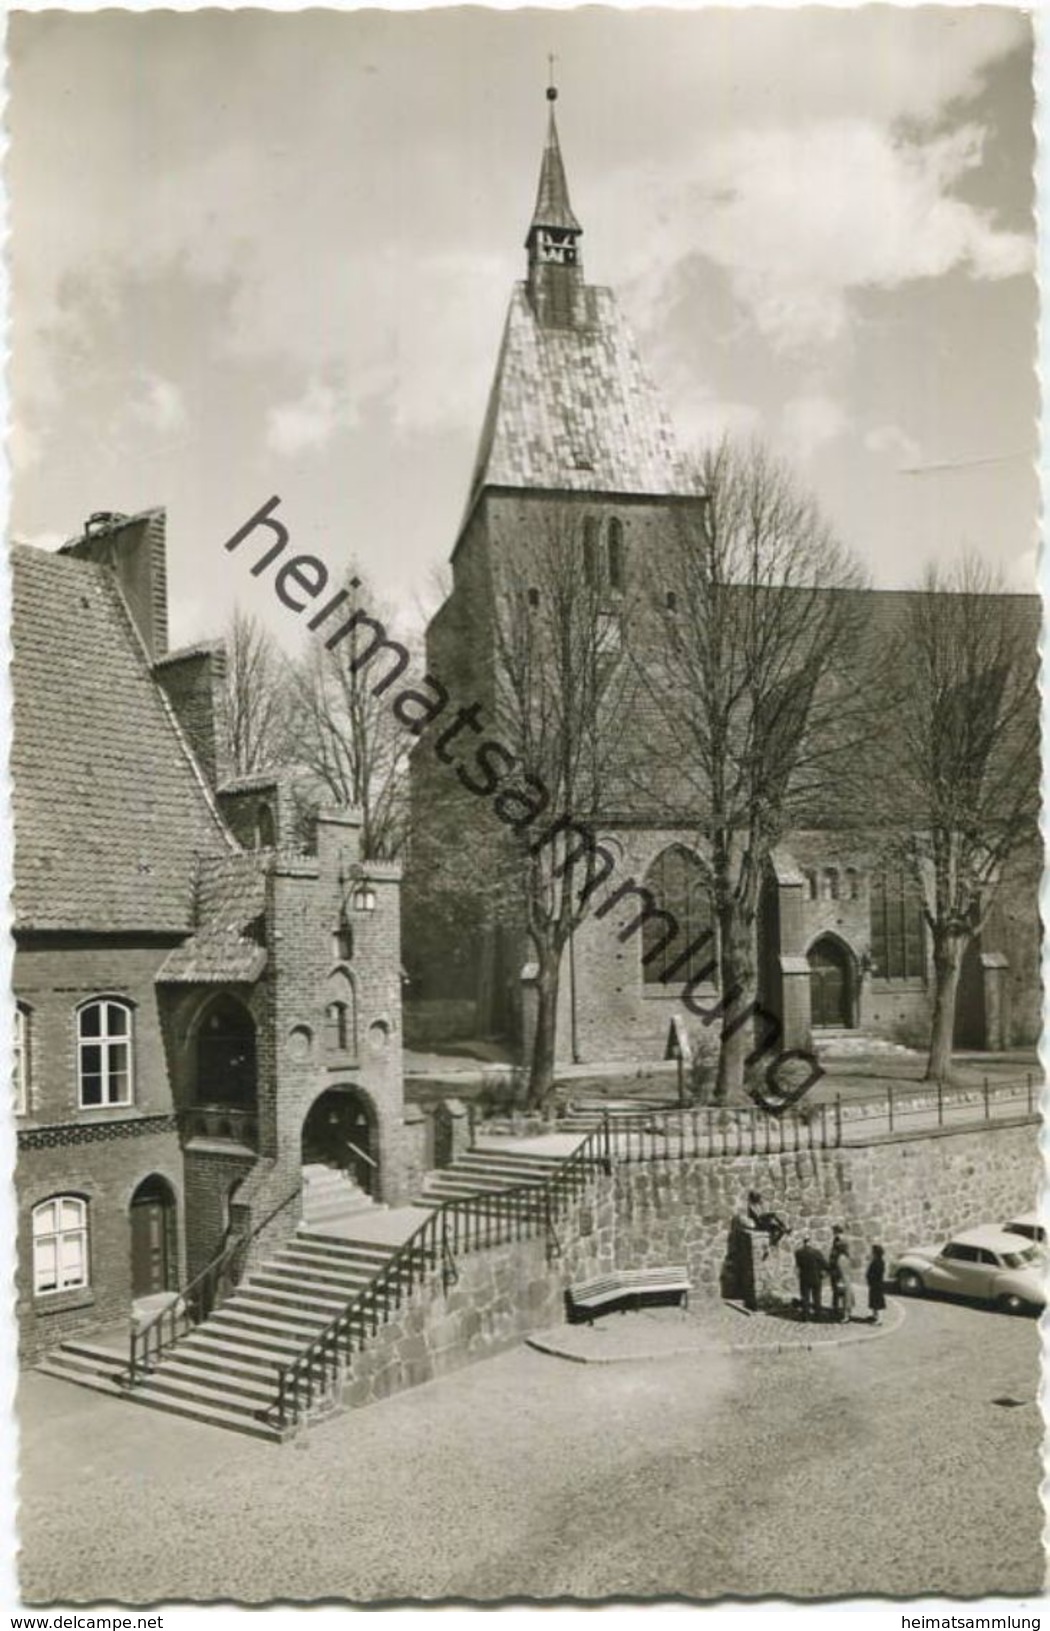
(899, 1191)
(499, 1297)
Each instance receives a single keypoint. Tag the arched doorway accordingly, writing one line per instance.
(226, 1054)
(339, 1132)
(154, 1265)
(830, 985)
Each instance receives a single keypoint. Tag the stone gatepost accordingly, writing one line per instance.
(451, 1132)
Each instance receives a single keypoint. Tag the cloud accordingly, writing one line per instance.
(308, 423)
(701, 420)
(891, 439)
(159, 403)
(802, 218)
(808, 422)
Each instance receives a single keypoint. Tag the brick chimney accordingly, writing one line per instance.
(194, 681)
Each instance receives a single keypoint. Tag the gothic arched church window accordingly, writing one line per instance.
(678, 884)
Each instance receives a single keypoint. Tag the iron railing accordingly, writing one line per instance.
(466, 1224)
(192, 1304)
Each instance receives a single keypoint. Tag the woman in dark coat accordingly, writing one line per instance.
(876, 1278)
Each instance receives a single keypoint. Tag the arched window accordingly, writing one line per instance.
(226, 1054)
(104, 1053)
(852, 883)
(830, 883)
(614, 549)
(590, 550)
(21, 1063)
(897, 950)
(60, 1245)
(811, 886)
(341, 1014)
(343, 943)
(681, 916)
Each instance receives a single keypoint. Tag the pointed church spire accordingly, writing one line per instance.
(553, 209)
(555, 276)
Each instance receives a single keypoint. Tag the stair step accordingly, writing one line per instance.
(184, 1382)
(264, 1317)
(322, 1270)
(335, 1246)
(230, 1358)
(292, 1303)
(283, 1340)
(209, 1415)
(288, 1282)
(97, 1381)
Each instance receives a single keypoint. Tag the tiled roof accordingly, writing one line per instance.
(573, 408)
(231, 902)
(110, 809)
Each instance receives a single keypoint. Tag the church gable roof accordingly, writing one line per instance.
(110, 808)
(574, 409)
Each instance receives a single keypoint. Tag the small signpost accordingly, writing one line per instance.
(680, 1049)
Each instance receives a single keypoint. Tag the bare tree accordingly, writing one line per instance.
(345, 735)
(562, 684)
(759, 695)
(257, 691)
(965, 773)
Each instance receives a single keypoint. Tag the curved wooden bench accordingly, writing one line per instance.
(589, 1297)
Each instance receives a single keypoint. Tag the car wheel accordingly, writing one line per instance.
(909, 1282)
(1011, 1303)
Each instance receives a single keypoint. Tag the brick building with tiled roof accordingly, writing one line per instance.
(201, 1006)
(575, 429)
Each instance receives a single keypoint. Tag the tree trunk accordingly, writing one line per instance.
(541, 1069)
(947, 961)
(737, 986)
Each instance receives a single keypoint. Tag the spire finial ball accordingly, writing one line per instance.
(552, 93)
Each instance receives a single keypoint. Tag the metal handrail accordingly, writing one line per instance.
(362, 1153)
(149, 1341)
(460, 1225)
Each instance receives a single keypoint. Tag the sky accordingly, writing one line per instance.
(256, 254)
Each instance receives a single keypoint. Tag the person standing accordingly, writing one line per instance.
(839, 1268)
(875, 1274)
(812, 1266)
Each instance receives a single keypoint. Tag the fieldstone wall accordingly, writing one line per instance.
(899, 1191)
(500, 1296)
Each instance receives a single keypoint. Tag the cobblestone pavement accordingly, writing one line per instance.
(662, 1333)
(882, 1467)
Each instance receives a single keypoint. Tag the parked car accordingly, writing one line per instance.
(1029, 1224)
(984, 1263)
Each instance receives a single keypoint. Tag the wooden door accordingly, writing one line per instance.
(149, 1247)
(828, 986)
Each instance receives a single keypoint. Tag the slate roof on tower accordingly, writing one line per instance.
(572, 406)
(575, 408)
(111, 809)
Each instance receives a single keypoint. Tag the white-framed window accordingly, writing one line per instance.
(104, 1054)
(21, 1060)
(60, 1245)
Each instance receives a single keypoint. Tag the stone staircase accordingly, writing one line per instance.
(224, 1371)
(88, 1364)
(331, 1199)
(486, 1172)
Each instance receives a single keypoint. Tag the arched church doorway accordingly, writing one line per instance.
(830, 985)
(339, 1132)
(153, 1248)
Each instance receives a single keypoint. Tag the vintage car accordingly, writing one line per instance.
(985, 1263)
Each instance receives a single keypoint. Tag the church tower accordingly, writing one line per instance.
(575, 443)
